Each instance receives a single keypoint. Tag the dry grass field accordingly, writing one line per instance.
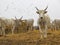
(31, 38)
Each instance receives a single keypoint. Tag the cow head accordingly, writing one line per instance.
(18, 21)
(41, 12)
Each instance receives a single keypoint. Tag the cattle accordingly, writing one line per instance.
(56, 24)
(43, 21)
(15, 25)
(2, 27)
(7, 25)
(23, 25)
(20, 25)
(28, 23)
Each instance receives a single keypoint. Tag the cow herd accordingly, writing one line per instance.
(12, 26)
(55, 25)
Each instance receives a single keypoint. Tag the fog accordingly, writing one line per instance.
(26, 8)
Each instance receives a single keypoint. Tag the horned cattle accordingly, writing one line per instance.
(7, 25)
(2, 27)
(15, 25)
(28, 24)
(43, 21)
(56, 24)
(20, 25)
(24, 24)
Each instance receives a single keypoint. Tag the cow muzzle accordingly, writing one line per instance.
(41, 17)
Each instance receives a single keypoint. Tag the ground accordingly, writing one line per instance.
(31, 38)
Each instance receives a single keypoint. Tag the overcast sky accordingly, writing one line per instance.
(26, 8)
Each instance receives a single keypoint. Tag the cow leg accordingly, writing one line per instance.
(0, 31)
(45, 32)
(55, 28)
(3, 30)
(31, 27)
(13, 29)
(41, 33)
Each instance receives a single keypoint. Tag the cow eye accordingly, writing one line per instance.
(45, 12)
(37, 12)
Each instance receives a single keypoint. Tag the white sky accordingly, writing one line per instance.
(26, 8)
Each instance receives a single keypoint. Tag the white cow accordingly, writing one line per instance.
(7, 24)
(56, 24)
(15, 24)
(43, 21)
(28, 22)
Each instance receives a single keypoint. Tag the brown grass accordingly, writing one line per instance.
(31, 38)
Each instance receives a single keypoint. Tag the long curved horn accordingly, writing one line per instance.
(36, 8)
(16, 20)
(46, 8)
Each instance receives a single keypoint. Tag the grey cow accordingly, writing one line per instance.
(56, 24)
(43, 21)
(8, 24)
(30, 24)
(25, 24)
